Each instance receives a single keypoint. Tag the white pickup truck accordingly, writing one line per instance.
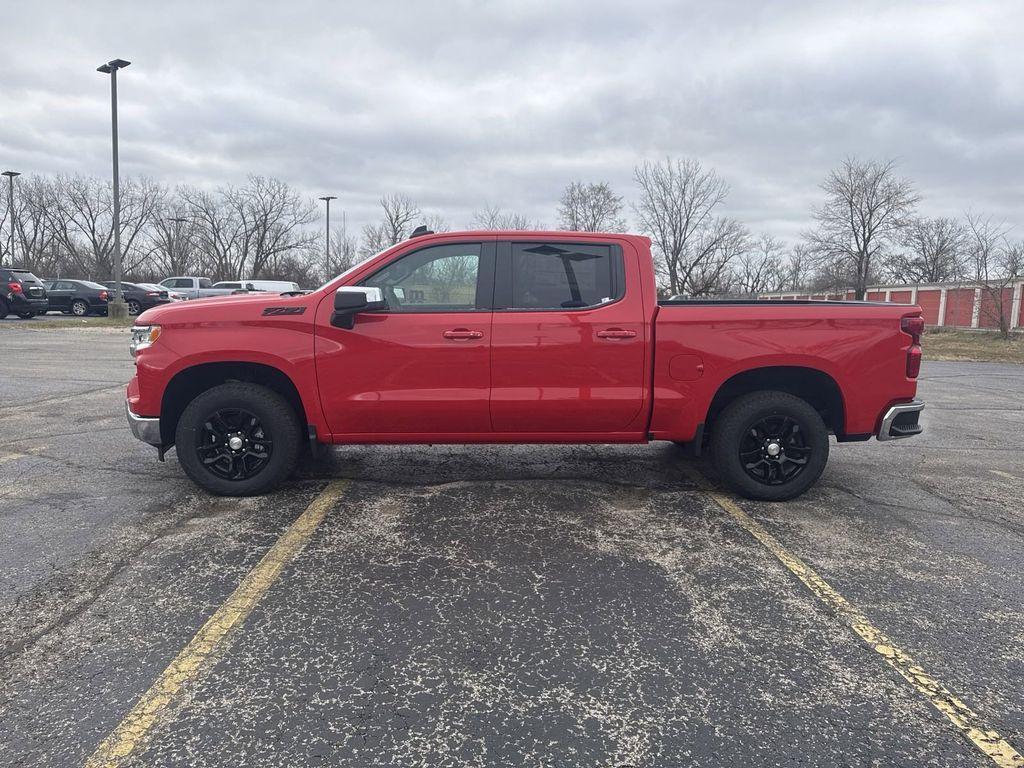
(195, 287)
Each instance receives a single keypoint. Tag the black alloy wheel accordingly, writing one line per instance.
(238, 439)
(773, 450)
(769, 445)
(233, 444)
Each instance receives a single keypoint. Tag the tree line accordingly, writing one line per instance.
(866, 230)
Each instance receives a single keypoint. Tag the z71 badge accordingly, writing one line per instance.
(284, 310)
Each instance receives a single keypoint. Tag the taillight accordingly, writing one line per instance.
(914, 328)
(103, 295)
(14, 287)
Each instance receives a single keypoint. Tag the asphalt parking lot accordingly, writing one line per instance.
(518, 605)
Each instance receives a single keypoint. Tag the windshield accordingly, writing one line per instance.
(90, 284)
(354, 267)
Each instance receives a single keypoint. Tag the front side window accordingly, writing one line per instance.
(434, 279)
(561, 276)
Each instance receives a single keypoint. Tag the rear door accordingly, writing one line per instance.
(60, 295)
(567, 339)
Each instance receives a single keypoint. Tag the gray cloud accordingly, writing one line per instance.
(460, 104)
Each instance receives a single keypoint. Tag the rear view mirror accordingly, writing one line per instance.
(351, 300)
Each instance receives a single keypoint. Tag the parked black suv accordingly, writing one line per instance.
(138, 297)
(78, 297)
(22, 293)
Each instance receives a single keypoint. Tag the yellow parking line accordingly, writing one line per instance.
(212, 639)
(965, 719)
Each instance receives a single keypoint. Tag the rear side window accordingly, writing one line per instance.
(562, 276)
(205, 282)
(433, 279)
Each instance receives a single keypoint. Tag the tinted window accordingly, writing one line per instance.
(436, 278)
(561, 276)
(27, 277)
(94, 286)
(205, 282)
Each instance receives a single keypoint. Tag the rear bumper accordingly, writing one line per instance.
(901, 421)
(144, 428)
(19, 302)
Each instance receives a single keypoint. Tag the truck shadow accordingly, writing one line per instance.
(658, 466)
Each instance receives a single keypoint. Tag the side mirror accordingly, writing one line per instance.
(351, 300)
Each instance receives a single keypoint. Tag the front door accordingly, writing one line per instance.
(568, 339)
(421, 366)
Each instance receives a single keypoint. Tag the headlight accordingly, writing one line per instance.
(143, 336)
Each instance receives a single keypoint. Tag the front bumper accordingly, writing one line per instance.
(144, 428)
(901, 421)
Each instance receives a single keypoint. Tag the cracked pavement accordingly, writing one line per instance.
(503, 605)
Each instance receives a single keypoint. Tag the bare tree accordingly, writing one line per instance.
(997, 264)
(34, 235)
(590, 208)
(677, 209)
(798, 269)
(865, 211)
(400, 214)
(247, 231)
(172, 241)
(934, 251)
(760, 269)
(344, 252)
(493, 218)
(80, 216)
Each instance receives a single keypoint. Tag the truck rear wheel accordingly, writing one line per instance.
(238, 439)
(770, 445)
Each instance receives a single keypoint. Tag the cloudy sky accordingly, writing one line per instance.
(463, 104)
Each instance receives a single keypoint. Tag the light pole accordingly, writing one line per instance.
(327, 199)
(10, 213)
(173, 238)
(116, 308)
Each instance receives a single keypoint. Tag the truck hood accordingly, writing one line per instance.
(217, 308)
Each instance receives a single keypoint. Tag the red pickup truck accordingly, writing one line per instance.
(519, 337)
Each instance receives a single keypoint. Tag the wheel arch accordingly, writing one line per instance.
(195, 379)
(810, 384)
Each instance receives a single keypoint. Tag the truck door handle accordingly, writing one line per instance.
(462, 334)
(615, 333)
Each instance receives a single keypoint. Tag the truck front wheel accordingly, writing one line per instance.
(770, 445)
(238, 439)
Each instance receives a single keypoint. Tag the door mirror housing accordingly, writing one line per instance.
(350, 300)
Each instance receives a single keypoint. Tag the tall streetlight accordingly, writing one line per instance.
(116, 308)
(327, 199)
(10, 213)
